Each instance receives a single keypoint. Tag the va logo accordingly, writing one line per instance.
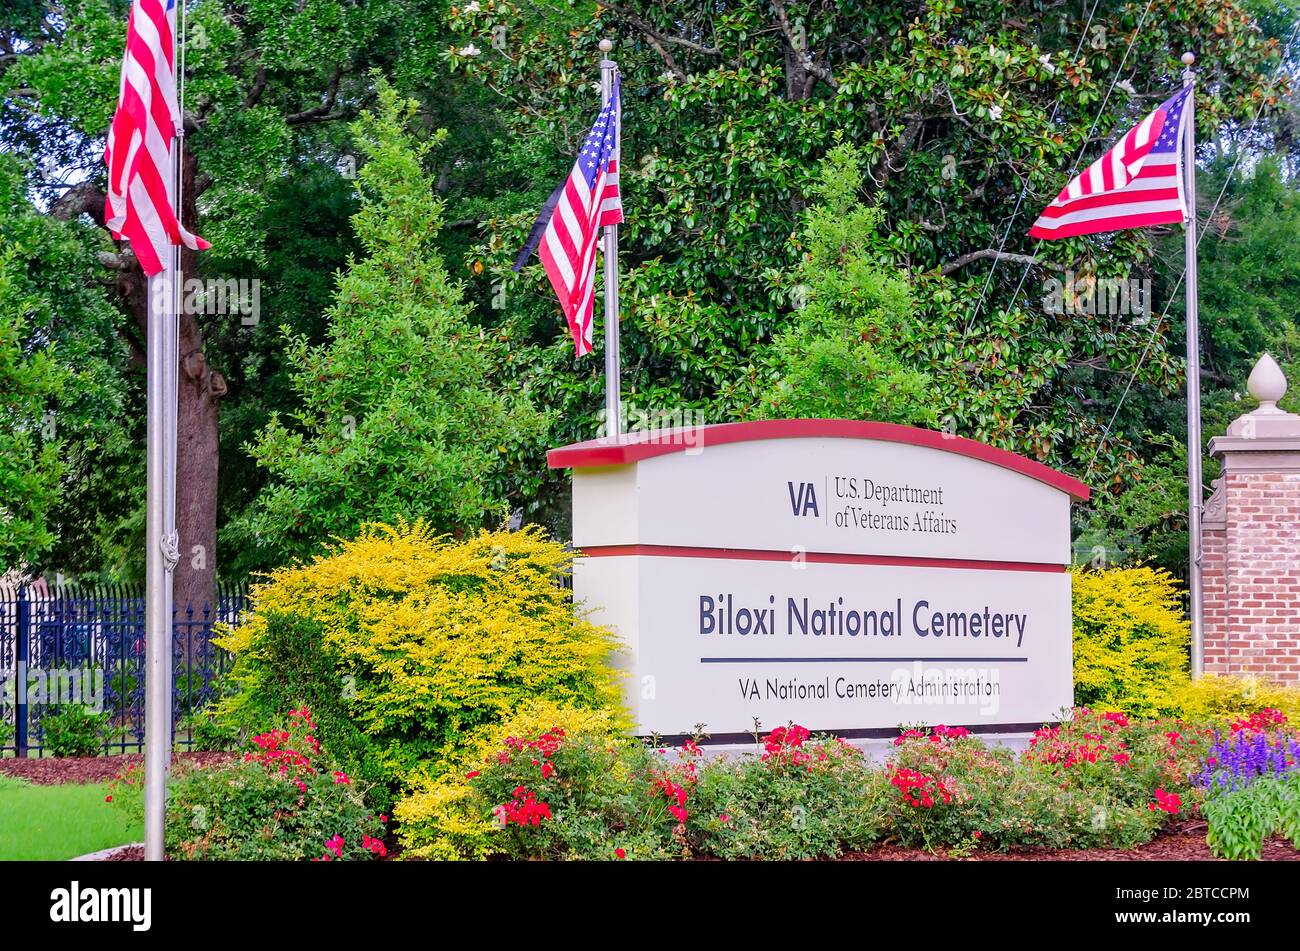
(803, 500)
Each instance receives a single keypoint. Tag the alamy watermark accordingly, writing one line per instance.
(930, 685)
(74, 686)
(212, 296)
(1089, 295)
(662, 427)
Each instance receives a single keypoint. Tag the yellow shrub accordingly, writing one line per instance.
(439, 820)
(411, 648)
(1130, 640)
(1224, 699)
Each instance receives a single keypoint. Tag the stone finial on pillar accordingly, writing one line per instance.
(1268, 385)
(1251, 539)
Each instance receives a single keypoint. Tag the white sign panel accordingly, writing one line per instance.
(833, 647)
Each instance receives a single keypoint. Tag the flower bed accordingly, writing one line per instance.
(1099, 784)
(1099, 781)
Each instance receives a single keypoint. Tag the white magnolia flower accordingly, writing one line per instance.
(995, 113)
(470, 50)
(1127, 87)
(1046, 61)
(472, 7)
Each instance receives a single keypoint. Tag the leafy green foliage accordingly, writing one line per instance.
(398, 417)
(1240, 821)
(839, 357)
(968, 117)
(74, 731)
(785, 808)
(285, 801)
(61, 395)
(1130, 640)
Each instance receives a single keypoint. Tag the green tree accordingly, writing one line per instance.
(838, 357)
(398, 418)
(61, 392)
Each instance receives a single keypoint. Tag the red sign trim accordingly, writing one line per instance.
(634, 447)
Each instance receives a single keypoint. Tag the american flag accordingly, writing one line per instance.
(587, 201)
(1138, 183)
(139, 150)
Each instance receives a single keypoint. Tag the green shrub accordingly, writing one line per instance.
(73, 731)
(1239, 821)
(955, 792)
(293, 667)
(413, 648)
(1130, 640)
(802, 798)
(1122, 759)
(286, 801)
(207, 733)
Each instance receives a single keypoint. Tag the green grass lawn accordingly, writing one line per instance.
(58, 822)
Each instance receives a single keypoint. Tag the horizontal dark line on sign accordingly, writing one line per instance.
(862, 660)
(814, 557)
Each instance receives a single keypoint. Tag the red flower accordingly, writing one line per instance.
(108, 799)
(620, 853)
(471, 774)
(1121, 758)
(547, 768)
(523, 810)
(1166, 802)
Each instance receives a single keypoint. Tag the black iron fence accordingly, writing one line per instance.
(85, 647)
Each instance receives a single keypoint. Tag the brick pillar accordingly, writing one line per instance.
(1251, 540)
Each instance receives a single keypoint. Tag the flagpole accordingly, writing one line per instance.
(1195, 489)
(162, 373)
(613, 360)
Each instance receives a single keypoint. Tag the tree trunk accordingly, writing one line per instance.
(198, 446)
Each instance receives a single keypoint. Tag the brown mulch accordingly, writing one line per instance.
(130, 853)
(1178, 842)
(53, 771)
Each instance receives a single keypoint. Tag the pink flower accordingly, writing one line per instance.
(335, 844)
(341, 778)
